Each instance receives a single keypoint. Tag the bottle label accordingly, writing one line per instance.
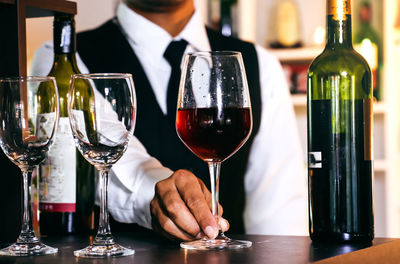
(339, 9)
(314, 160)
(79, 121)
(44, 126)
(58, 172)
(368, 129)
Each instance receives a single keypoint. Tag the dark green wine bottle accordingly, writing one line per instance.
(227, 17)
(340, 150)
(66, 178)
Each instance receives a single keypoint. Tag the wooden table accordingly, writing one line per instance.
(152, 249)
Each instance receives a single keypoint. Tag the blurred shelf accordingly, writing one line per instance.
(380, 107)
(297, 54)
(299, 100)
(380, 165)
(42, 8)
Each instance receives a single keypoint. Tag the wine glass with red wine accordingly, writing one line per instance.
(214, 120)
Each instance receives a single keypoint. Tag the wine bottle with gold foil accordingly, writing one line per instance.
(66, 178)
(340, 150)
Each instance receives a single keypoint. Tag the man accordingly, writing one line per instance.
(158, 183)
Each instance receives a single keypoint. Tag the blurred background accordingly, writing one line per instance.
(294, 30)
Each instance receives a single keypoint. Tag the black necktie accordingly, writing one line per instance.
(173, 54)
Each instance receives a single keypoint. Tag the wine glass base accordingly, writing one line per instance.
(103, 251)
(28, 249)
(216, 244)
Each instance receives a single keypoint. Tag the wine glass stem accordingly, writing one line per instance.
(104, 236)
(27, 234)
(215, 168)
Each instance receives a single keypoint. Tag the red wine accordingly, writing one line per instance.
(340, 170)
(211, 134)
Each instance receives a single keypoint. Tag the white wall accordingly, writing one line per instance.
(91, 13)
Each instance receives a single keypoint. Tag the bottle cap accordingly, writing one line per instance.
(339, 9)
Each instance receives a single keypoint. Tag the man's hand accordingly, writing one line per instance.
(181, 208)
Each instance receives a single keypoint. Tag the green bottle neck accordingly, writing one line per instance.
(225, 9)
(226, 19)
(339, 33)
(65, 58)
(64, 35)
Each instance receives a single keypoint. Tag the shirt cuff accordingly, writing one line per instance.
(145, 193)
(131, 203)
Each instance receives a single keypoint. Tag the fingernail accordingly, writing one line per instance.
(224, 224)
(200, 235)
(210, 232)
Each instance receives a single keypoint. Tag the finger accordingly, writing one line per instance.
(192, 193)
(224, 224)
(157, 228)
(164, 225)
(176, 210)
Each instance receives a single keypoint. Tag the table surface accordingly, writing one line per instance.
(150, 248)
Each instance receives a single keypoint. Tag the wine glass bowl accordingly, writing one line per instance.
(214, 120)
(211, 137)
(102, 111)
(109, 120)
(28, 120)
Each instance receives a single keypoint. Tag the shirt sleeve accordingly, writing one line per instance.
(276, 180)
(132, 182)
(43, 61)
(133, 178)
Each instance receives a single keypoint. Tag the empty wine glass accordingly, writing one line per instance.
(28, 121)
(214, 120)
(102, 111)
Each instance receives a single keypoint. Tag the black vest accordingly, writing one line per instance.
(105, 49)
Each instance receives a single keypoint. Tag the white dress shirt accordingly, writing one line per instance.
(275, 180)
